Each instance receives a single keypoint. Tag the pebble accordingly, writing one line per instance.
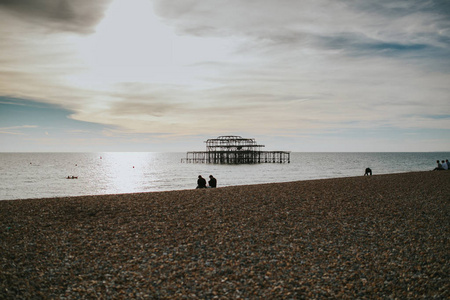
(376, 237)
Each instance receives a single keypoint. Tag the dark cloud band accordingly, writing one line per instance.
(60, 15)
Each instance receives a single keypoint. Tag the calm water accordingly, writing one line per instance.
(39, 175)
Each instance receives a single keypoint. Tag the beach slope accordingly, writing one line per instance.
(384, 236)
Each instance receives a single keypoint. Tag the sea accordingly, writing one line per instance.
(45, 175)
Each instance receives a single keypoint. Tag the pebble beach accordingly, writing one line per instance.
(366, 237)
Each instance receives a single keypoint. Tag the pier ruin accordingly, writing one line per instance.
(232, 149)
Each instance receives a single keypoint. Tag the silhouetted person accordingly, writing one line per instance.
(439, 166)
(368, 172)
(212, 181)
(201, 182)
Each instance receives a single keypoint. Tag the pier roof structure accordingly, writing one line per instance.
(232, 143)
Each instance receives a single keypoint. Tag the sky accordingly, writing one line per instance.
(166, 75)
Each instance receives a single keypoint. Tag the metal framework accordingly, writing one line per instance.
(231, 149)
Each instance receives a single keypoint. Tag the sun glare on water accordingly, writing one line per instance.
(126, 172)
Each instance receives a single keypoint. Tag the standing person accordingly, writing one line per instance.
(212, 182)
(368, 172)
(201, 182)
(444, 165)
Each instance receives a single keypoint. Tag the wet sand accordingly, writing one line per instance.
(377, 237)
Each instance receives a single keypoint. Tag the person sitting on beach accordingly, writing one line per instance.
(201, 182)
(439, 166)
(368, 172)
(444, 165)
(212, 182)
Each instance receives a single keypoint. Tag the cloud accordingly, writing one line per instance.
(15, 130)
(315, 68)
(58, 15)
(290, 26)
(351, 94)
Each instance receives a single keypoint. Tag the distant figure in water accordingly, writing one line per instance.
(368, 172)
(212, 182)
(201, 182)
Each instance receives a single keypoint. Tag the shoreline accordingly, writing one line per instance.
(350, 237)
(219, 187)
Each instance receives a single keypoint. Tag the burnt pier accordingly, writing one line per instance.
(232, 149)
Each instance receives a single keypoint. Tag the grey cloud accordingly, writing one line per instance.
(286, 25)
(234, 17)
(364, 45)
(136, 99)
(134, 107)
(59, 15)
(401, 8)
(427, 55)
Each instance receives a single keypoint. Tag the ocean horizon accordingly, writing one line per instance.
(29, 175)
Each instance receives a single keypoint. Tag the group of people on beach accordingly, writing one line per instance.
(212, 183)
(201, 182)
(444, 165)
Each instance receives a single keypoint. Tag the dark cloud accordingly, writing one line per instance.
(59, 15)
